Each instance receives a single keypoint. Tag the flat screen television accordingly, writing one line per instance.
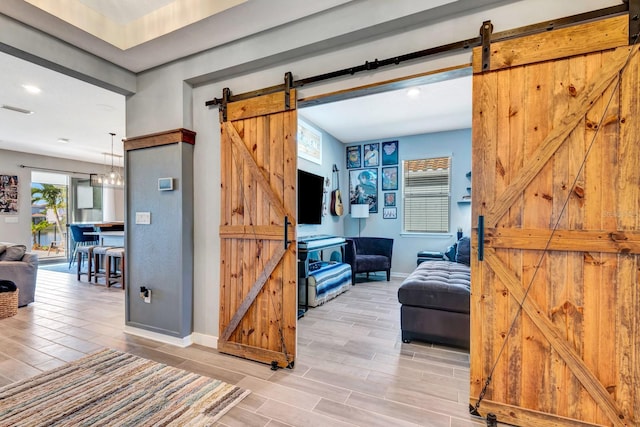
(310, 197)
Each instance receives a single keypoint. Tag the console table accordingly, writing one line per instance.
(306, 245)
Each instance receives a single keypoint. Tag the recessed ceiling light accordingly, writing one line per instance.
(413, 92)
(63, 140)
(32, 88)
(16, 109)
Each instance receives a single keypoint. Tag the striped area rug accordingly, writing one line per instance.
(112, 388)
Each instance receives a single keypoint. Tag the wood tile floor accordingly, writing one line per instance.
(352, 367)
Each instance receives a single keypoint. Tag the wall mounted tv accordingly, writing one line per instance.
(310, 197)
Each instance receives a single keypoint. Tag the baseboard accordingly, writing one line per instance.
(155, 336)
(399, 275)
(205, 340)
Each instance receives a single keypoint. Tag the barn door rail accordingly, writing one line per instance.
(485, 36)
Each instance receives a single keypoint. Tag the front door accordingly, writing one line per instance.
(258, 270)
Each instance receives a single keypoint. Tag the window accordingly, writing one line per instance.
(426, 195)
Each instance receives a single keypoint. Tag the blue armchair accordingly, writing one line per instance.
(368, 254)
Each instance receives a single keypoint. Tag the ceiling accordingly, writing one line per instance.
(87, 117)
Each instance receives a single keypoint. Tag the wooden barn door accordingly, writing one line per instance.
(556, 179)
(258, 290)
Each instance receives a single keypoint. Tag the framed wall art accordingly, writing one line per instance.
(390, 178)
(389, 213)
(8, 194)
(354, 158)
(371, 156)
(389, 153)
(389, 199)
(309, 142)
(363, 188)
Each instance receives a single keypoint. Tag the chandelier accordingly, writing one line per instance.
(111, 177)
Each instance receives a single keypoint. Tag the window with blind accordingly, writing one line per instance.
(426, 197)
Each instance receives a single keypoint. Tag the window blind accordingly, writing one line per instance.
(426, 195)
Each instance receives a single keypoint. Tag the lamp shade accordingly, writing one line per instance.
(360, 211)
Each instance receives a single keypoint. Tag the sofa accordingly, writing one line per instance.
(368, 254)
(435, 299)
(20, 267)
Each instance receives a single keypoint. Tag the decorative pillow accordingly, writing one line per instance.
(450, 253)
(2, 249)
(14, 253)
(463, 254)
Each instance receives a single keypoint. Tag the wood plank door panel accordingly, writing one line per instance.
(556, 299)
(258, 276)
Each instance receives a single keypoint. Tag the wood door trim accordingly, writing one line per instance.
(558, 135)
(618, 241)
(572, 360)
(258, 175)
(253, 292)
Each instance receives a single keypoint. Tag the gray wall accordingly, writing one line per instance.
(345, 39)
(159, 254)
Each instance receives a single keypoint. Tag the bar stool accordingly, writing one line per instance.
(115, 275)
(81, 252)
(99, 260)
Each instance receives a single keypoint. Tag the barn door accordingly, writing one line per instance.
(258, 294)
(556, 181)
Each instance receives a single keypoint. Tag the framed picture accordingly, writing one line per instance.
(389, 153)
(389, 199)
(390, 178)
(354, 158)
(371, 155)
(9, 194)
(309, 142)
(363, 188)
(389, 213)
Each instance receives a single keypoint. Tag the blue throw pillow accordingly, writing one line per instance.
(450, 253)
(463, 254)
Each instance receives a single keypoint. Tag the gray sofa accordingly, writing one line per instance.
(435, 300)
(21, 268)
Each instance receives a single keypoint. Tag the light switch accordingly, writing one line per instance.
(143, 217)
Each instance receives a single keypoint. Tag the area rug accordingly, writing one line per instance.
(112, 388)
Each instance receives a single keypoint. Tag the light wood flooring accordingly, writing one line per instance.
(352, 367)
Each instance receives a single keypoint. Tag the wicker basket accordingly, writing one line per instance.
(8, 304)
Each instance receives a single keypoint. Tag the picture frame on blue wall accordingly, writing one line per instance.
(389, 199)
(354, 157)
(390, 213)
(390, 178)
(363, 188)
(371, 156)
(389, 153)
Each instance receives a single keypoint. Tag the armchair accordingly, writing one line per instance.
(367, 254)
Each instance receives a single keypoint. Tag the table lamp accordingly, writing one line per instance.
(359, 211)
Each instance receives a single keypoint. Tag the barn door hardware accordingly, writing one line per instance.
(288, 82)
(287, 242)
(222, 104)
(485, 35)
(480, 237)
(634, 20)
